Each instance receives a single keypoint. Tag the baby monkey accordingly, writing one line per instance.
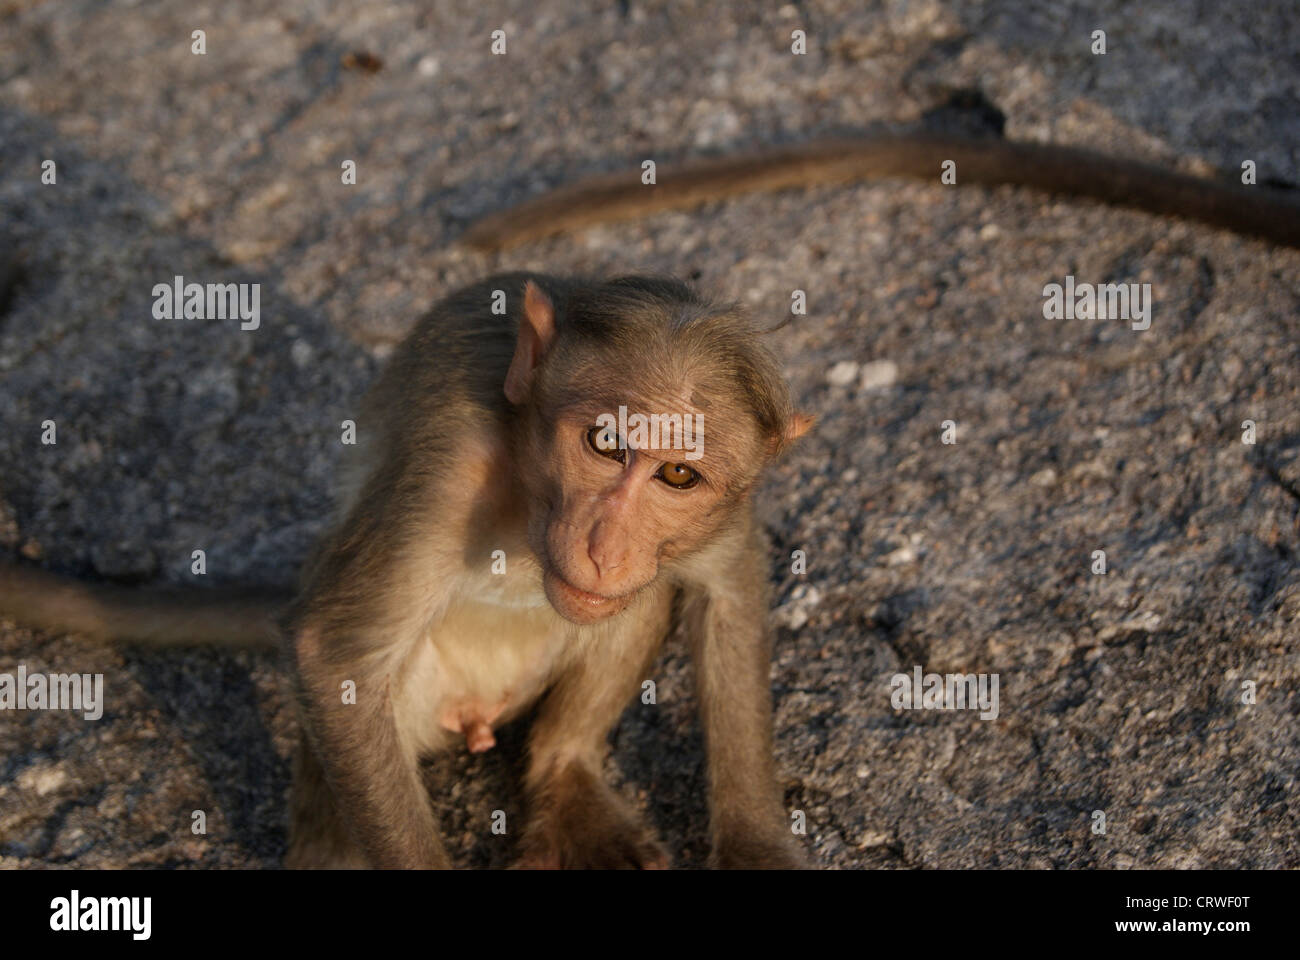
(503, 545)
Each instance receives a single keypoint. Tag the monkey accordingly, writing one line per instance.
(499, 447)
(1271, 213)
(483, 436)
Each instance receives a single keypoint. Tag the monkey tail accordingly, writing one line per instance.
(1268, 212)
(222, 617)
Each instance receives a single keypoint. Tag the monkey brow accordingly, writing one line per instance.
(623, 406)
(600, 393)
(726, 446)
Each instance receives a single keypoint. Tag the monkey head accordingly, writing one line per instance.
(644, 418)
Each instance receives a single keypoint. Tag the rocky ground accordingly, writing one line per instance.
(1120, 693)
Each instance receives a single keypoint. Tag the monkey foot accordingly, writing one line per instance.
(624, 846)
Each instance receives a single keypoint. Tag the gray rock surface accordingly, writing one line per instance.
(1120, 693)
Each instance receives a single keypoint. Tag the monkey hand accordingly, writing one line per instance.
(591, 828)
(760, 850)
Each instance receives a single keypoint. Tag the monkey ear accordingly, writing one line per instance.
(798, 424)
(536, 334)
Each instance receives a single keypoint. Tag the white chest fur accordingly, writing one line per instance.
(494, 651)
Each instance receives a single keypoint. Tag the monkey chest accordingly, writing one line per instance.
(482, 665)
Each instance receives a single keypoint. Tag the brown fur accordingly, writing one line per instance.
(238, 617)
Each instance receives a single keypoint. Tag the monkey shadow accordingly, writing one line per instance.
(84, 355)
(211, 701)
(659, 758)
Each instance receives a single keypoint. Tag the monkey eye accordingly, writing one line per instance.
(605, 442)
(678, 475)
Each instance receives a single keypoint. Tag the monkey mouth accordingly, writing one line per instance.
(580, 606)
(583, 596)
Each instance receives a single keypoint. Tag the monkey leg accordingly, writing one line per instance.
(576, 819)
(318, 838)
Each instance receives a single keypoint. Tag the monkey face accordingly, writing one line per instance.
(610, 439)
(615, 508)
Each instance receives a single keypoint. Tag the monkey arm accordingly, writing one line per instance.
(594, 689)
(730, 645)
(373, 775)
(576, 819)
(362, 615)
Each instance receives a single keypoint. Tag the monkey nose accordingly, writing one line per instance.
(605, 555)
